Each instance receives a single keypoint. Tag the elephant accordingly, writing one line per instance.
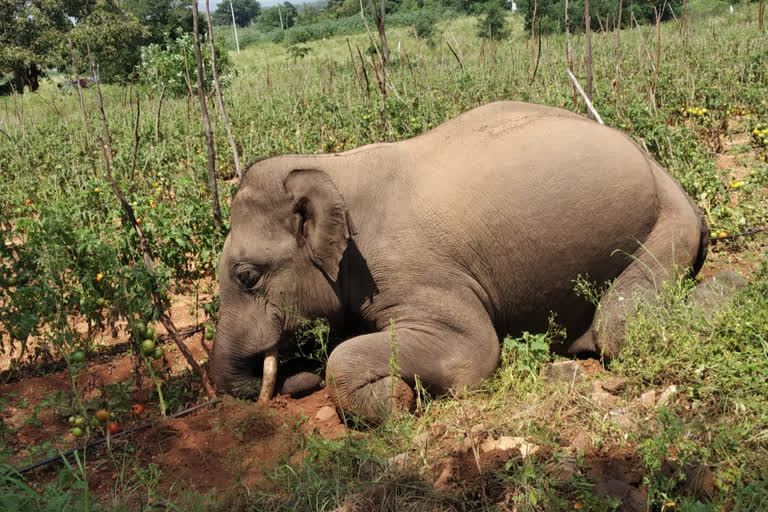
(432, 249)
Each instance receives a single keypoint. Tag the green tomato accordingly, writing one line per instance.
(78, 356)
(151, 333)
(210, 333)
(12, 281)
(79, 421)
(100, 302)
(77, 432)
(72, 420)
(139, 330)
(208, 307)
(147, 347)
(157, 353)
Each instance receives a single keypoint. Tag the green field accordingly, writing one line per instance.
(71, 271)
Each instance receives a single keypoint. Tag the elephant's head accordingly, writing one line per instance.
(280, 263)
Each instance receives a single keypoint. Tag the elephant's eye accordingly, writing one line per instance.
(247, 275)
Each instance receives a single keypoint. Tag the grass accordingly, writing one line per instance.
(718, 418)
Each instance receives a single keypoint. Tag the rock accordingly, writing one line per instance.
(437, 430)
(621, 418)
(477, 430)
(326, 413)
(563, 470)
(563, 371)
(666, 395)
(603, 399)
(711, 294)
(632, 498)
(421, 439)
(445, 476)
(399, 461)
(505, 443)
(613, 384)
(582, 441)
(648, 399)
(700, 480)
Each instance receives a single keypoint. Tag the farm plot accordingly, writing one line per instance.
(677, 422)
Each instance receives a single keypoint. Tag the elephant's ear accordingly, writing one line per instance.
(321, 217)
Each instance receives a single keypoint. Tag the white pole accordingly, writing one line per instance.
(584, 96)
(234, 25)
(280, 13)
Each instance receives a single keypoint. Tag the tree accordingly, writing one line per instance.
(115, 38)
(245, 11)
(378, 19)
(550, 13)
(493, 24)
(280, 16)
(162, 17)
(31, 37)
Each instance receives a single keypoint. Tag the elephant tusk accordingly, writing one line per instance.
(269, 377)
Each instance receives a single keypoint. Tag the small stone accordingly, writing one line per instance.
(603, 399)
(621, 418)
(505, 443)
(613, 384)
(445, 476)
(712, 294)
(421, 439)
(325, 413)
(437, 430)
(563, 371)
(582, 441)
(666, 395)
(563, 470)
(477, 429)
(648, 399)
(399, 461)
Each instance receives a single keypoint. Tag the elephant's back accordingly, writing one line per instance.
(523, 199)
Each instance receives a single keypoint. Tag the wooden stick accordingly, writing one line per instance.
(215, 208)
(105, 125)
(149, 264)
(220, 97)
(135, 138)
(157, 117)
(586, 99)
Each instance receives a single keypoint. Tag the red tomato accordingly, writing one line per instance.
(113, 428)
(137, 409)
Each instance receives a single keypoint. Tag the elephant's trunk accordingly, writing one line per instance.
(242, 349)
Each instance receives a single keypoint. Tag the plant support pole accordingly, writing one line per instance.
(234, 25)
(222, 108)
(586, 99)
(215, 208)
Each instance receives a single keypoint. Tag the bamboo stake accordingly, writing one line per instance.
(588, 48)
(569, 52)
(219, 96)
(586, 99)
(215, 208)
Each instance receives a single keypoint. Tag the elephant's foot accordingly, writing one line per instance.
(376, 402)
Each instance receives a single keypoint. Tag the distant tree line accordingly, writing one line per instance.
(550, 14)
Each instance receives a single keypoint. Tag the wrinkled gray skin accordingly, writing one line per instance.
(470, 232)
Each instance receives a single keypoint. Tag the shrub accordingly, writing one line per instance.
(550, 14)
(168, 66)
(494, 24)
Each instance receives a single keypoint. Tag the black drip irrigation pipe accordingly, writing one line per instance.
(755, 231)
(96, 442)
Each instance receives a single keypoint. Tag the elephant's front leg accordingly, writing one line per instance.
(372, 375)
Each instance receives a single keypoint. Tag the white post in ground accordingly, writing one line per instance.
(234, 25)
